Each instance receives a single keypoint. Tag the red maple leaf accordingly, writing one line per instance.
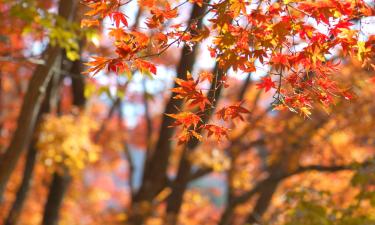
(185, 119)
(233, 111)
(118, 17)
(266, 83)
(217, 131)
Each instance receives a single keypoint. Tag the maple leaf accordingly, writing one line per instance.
(117, 33)
(199, 100)
(185, 135)
(266, 83)
(97, 8)
(201, 34)
(344, 24)
(145, 66)
(188, 90)
(280, 61)
(362, 50)
(217, 131)
(89, 23)
(305, 111)
(118, 17)
(196, 135)
(233, 111)
(238, 6)
(160, 38)
(247, 67)
(160, 15)
(147, 3)
(186, 119)
(97, 64)
(118, 66)
(206, 76)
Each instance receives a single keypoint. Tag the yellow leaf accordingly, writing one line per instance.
(362, 50)
(305, 111)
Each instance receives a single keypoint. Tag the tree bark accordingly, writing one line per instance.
(31, 105)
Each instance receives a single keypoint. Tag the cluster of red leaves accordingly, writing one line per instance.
(286, 36)
(232, 112)
(189, 91)
(129, 43)
(191, 122)
(271, 35)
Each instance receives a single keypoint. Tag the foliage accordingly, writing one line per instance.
(189, 112)
(68, 147)
(288, 36)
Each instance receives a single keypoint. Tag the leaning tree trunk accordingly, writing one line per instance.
(18, 203)
(23, 189)
(31, 105)
(262, 203)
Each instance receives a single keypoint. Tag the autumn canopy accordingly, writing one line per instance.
(187, 112)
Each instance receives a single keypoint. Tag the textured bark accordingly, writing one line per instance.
(31, 106)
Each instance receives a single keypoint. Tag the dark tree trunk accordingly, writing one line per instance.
(28, 116)
(181, 182)
(78, 84)
(16, 209)
(31, 105)
(61, 182)
(21, 195)
(155, 176)
(178, 189)
(58, 189)
(262, 203)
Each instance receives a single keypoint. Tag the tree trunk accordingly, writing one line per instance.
(61, 182)
(78, 84)
(16, 209)
(263, 202)
(155, 176)
(179, 187)
(56, 194)
(21, 195)
(31, 105)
